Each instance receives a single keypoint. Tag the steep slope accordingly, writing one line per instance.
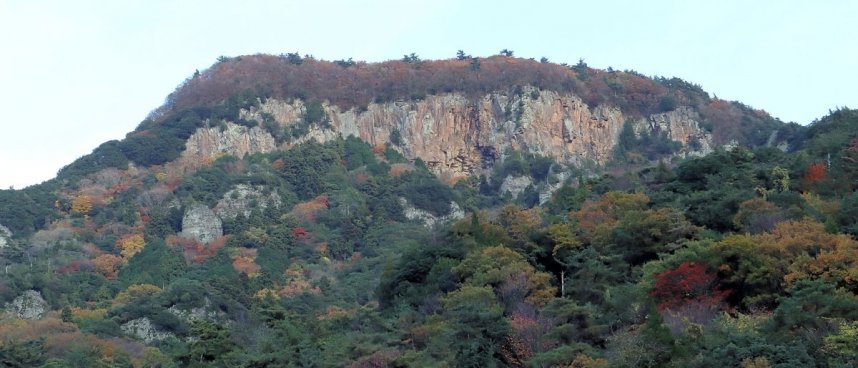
(286, 211)
(457, 116)
(457, 137)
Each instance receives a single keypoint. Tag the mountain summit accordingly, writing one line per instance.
(458, 116)
(480, 212)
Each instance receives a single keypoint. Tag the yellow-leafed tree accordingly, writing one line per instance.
(130, 245)
(82, 204)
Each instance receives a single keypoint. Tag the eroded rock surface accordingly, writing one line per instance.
(233, 139)
(242, 199)
(143, 329)
(29, 305)
(428, 219)
(5, 236)
(514, 185)
(201, 223)
(458, 136)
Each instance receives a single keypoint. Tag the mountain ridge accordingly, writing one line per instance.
(518, 226)
(240, 104)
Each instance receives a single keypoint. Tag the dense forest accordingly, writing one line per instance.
(344, 254)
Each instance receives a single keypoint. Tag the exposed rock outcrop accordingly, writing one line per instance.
(204, 313)
(681, 125)
(548, 191)
(428, 219)
(30, 305)
(201, 223)
(233, 139)
(143, 329)
(5, 236)
(514, 185)
(242, 198)
(458, 136)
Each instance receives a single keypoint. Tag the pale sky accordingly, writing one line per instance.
(74, 74)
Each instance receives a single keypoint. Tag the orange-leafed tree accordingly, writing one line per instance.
(107, 265)
(245, 262)
(806, 251)
(399, 169)
(307, 211)
(814, 174)
(194, 251)
(595, 219)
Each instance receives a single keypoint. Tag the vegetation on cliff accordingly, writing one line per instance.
(744, 257)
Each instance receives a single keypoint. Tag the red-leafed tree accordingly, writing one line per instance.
(690, 282)
(815, 173)
(300, 232)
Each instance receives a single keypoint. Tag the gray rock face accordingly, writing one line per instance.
(548, 191)
(514, 185)
(5, 237)
(241, 200)
(143, 329)
(29, 305)
(457, 136)
(428, 219)
(681, 125)
(201, 223)
(205, 313)
(233, 140)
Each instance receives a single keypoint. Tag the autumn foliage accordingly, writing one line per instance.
(194, 251)
(359, 84)
(130, 245)
(399, 169)
(307, 211)
(690, 282)
(108, 265)
(815, 173)
(82, 204)
(245, 262)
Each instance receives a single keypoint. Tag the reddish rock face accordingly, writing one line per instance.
(457, 136)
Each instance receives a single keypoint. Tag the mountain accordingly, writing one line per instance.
(289, 211)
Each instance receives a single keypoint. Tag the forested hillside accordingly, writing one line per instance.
(283, 250)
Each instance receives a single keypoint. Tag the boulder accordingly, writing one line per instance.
(29, 305)
(201, 223)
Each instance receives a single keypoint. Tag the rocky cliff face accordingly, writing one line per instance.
(427, 219)
(143, 329)
(201, 223)
(243, 198)
(233, 139)
(681, 125)
(457, 136)
(5, 236)
(514, 185)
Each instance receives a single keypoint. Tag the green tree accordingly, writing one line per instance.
(212, 344)
(475, 64)
(810, 302)
(314, 113)
(847, 216)
(479, 326)
(22, 353)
